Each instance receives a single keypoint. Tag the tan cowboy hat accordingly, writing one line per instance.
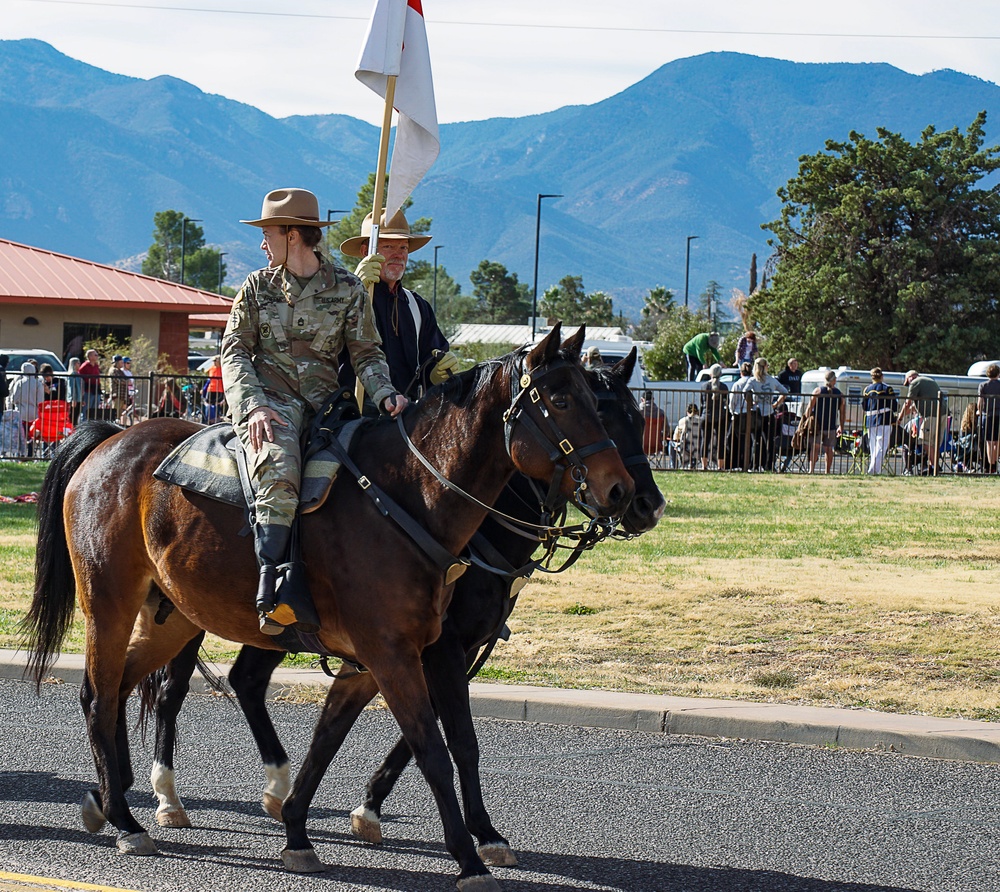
(397, 227)
(289, 207)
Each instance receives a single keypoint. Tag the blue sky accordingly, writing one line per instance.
(491, 59)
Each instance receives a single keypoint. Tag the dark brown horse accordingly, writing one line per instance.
(482, 602)
(122, 543)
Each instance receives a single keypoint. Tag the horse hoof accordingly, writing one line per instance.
(90, 811)
(365, 824)
(136, 844)
(272, 805)
(172, 817)
(302, 861)
(498, 854)
(483, 883)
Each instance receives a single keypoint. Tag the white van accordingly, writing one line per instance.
(959, 389)
(978, 369)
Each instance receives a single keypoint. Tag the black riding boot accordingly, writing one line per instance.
(283, 597)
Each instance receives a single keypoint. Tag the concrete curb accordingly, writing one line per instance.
(956, 739)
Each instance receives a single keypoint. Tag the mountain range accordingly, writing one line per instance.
(697, 148)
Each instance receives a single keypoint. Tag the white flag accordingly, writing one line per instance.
(396, 44)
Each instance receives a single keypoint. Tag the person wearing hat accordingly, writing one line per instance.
(411, 338)
(714, 402)
(287, 327)
(700, 351)
(592, 358)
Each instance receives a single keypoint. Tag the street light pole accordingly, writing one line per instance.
(534, 290)
(184, 223)
(435, 303)
(687, 268)
(329, 215)
(221, 255)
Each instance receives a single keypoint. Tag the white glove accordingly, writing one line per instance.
(447, 365)
(370, 269)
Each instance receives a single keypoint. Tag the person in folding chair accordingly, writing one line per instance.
(416, 350)
(287, 327)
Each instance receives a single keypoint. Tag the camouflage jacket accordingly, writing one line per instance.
(264, 361)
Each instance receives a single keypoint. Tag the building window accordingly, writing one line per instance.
(76, 334)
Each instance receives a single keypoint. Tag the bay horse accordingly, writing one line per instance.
(123, 544)
(481, 604)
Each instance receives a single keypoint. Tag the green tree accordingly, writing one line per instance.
(664, 361)
(657, 305)
(568, 303)
(888, 253)
(350, 226)
(500, 298)
(449, 307)
(163, 260)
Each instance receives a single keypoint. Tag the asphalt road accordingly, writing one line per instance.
(584, 809)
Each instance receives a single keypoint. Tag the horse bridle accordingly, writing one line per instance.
(561, 451)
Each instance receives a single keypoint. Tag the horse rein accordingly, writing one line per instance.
(559, 447)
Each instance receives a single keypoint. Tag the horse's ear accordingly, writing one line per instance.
(624, 367)
(574, 343)
(546, 349)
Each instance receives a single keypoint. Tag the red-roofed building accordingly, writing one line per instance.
(49, 300)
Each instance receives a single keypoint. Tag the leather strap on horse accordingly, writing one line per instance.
(449, 565)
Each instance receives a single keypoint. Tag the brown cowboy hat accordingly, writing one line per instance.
(397, 227)
(289, 207)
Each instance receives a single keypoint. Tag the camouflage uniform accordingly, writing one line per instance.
(282, 354)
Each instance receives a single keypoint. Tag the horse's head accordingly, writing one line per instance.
(553, 431)
(620, 415)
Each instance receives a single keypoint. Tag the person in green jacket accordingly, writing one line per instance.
(702, 350)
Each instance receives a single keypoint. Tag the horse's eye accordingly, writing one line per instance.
(560, 401)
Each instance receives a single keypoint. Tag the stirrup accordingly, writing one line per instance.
(269, 627)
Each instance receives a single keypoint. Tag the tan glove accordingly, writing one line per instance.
(369, 269)
(447, 365)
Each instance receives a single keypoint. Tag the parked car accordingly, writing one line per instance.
(19, 356)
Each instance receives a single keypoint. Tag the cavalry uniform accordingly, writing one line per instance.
(280, 351)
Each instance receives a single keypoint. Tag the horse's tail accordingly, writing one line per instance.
(54, 599)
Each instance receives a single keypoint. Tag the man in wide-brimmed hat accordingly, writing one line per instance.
(411, 338)
(287, 328)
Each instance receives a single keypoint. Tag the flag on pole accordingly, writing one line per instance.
(396, 45)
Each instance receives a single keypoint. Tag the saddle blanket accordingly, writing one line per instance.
(206, 463)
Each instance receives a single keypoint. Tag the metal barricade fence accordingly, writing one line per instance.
(803, 433)
(33, 433)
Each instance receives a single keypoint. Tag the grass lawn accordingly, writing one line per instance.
(842, 590)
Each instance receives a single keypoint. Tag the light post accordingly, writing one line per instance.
(329, 215)
(184, 223)
(221, 255)
(534, 290)
(687, 268)
(435, 302)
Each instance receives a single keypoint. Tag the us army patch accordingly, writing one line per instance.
(265, 329)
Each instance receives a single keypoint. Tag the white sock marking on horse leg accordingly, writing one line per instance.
(278, 781)
(164, 787)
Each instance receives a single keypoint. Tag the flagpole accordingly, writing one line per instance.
(377, 201)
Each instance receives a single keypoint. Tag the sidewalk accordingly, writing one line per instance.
(816, 725)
